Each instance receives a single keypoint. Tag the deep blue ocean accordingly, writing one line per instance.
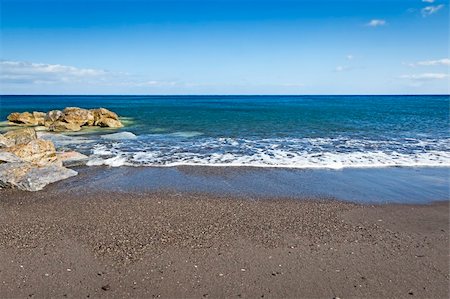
(266, 131)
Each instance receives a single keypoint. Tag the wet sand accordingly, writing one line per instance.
(88, 244)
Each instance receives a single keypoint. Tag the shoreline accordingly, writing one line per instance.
(371, 186)
(180, 244)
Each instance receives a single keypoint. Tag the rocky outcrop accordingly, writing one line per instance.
(24, 176)
(39, 152)
(105, 118)
(69, 119)
(60, 126)
(78, 116)
(21, 136)
(29, 163)
(27, 118)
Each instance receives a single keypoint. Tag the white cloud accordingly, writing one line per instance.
(29, 72)
(428, 1)
(350, 57)
(429, 10)
(20, 72)
(437, 62)
(425, 76)
(376, 23)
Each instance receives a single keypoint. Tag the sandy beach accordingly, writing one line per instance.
(57, 243)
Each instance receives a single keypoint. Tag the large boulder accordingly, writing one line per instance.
(20, 136)
(78, 116)
(104, 113)
(109, 122)
(25, 176)
(106, 118)
(38, 152)
(26, 118)
(52, 116)
(60, 126)
(39, 118)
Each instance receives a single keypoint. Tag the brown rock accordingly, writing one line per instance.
(78, 116)
(52, 116)
(21, 136)
(6, 142)
(103, 113)
(39, 118)
(24, 118)
(60, 126)
(39, 152)
(109, 122)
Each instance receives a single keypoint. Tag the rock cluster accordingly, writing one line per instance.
(69, 119)
(29, 163)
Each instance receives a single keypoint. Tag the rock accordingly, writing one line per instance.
(73, 158)
(24, 118)
(20, 136)
(39, 152)
(6, 142)
(60, 126)
(103, 113)
(7, 157)
(24, 176)
(109, 122)
(119, 136)
(39, 118)
(52, 116)
(78, 116)
(70, 119)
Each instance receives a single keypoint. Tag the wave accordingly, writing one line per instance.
(337, 153)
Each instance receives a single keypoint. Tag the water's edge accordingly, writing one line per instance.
(369, 186)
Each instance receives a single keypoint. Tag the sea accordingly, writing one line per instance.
(302, 132)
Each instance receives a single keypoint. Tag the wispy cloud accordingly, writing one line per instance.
(349, 57)
(376, 23)
(428, 1)
(21, 72)
(425, 76)
(29, 72)
(342, 68)
(437, 62)
(432, 9)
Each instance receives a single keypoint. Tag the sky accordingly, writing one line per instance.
(224, 47)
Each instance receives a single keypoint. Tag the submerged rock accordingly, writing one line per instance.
(60, 126)
(70, 159)
(119, 136)
(24, 176)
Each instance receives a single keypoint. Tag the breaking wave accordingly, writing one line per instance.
(165, 150)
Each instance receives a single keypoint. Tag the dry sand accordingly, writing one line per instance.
(169, 244)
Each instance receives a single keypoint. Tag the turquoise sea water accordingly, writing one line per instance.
(266, 131)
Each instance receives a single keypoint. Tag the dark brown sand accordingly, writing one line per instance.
(169, 244)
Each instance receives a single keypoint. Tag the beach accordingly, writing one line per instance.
(73, 240)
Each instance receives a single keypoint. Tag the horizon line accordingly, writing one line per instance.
(222, 95)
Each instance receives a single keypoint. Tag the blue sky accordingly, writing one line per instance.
(224, 47)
